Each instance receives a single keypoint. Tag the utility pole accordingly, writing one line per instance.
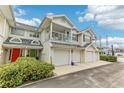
(106, 40)
(100, 43)
(107, 48)
(112, 50)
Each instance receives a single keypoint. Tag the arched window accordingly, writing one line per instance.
(15, 40)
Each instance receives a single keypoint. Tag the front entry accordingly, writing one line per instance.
(15, 54)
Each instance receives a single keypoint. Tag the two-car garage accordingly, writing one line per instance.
(61, 56)
(65, 56)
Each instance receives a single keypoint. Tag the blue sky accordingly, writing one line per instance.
(104, 20)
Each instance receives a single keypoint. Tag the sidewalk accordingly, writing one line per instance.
(62, 70)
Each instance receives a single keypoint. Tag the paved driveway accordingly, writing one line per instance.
(111, 75)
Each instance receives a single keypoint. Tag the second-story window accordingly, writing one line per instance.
(87, 38)
(74, 38)
(35, 35)
(83, 38)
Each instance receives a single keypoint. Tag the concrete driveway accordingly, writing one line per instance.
(107, 76)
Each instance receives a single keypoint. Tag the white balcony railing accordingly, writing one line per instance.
(57, 36)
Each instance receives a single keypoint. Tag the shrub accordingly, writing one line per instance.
(108, 58)
(24, 69)
(112, 58)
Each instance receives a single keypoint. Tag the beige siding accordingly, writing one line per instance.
(62, 21)
(46, 52)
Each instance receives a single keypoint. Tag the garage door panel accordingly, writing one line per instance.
(76, 56)
(61, 57)
(91, 56)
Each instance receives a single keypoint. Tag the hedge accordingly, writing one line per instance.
(24, 69)
(108, 58)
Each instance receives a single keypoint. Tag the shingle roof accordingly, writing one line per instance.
(26, 27)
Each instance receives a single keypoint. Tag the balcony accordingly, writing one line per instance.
(58, 36)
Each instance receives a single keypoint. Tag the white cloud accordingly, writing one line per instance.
(111, 16)
(115, 41)
(37, 20)
(19, 12)
(32, 22)
(89, 17)
(80, 19)
(97, 9)
(50, 13)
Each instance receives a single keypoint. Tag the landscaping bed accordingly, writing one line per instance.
(25, 69)
(108, 58)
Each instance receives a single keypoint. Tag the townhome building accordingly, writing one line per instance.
(57, 41)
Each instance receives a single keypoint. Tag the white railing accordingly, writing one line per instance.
(58, 36)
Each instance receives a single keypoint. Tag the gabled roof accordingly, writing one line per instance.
(91, 44)
(25, 27)
(25, 42)
(56, 16)
(51, 17)
(88, 30)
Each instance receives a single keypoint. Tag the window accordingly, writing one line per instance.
(18, 32)
(74, 38)
(35, 35)
(87, 38)
(84, 38)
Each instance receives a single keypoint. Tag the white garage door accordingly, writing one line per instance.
(61, 57)
(76, 56)
(89, 56)
(95, 56)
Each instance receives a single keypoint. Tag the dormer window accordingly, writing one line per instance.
(15, 40)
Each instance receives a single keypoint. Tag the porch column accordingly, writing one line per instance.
(26, 52)
(1, 55)
(4, 30)
(71, 35)
(70, 57)
(51, 28)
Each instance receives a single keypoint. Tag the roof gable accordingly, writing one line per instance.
(62, 20)
(90, 32)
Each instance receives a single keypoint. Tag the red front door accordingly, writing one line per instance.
(15, 54)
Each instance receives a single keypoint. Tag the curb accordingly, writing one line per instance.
(34, 82)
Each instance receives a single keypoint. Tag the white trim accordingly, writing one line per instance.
(11, 40)
(21, 46)
(93, 46)
(32, 42)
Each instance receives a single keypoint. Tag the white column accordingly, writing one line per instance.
(26, 52)
(71, 35)
(4, 29)
(70, 57)
(51, 28)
